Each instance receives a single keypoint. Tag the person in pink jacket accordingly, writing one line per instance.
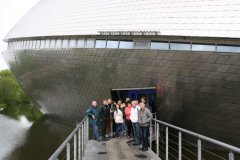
(128, 121)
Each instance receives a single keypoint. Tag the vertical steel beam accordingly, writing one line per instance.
(157, 140)
(75, 147)
(150, 138)
(82, 151)
(68, 151)
(166, 143)
(231, 156)
(79, 144)
(179, 146)
(199, 149)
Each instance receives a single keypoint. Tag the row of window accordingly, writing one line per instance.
(122, 44)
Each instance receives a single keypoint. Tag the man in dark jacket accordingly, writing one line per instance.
(112, 122)
(93, 115)
(144, 118)
(104, 117)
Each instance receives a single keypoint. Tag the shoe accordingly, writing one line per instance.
(145, 149)
(106, 136)
(128, 137)
(141, 149)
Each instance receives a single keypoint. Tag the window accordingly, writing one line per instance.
(58, 43)
(38, 43)
(34, 44)
(112, 43)
(89, 43)
(52, 43)
(24, 44)
(65, 43)
(42, 44)
(226, 48)
(80, 43)
(159, 45)
(47, 43)
(203, 47)
(72, 43)
(126, 44)
(19, 44)
(142, 44)
(30, 44)
(100, 44)
(180, 46)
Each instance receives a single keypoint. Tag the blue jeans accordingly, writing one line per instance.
(95, 131)
(136, 132)
(118, 129)
(144, 131)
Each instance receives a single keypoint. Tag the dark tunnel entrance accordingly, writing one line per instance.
(136, 94)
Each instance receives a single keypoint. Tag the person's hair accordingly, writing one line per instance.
(144, 98)
(117, 108)
(128, 101)
(109, 99)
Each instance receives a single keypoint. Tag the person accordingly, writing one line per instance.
(144, 118)
(134, 119)
(128, 121)
(104, 118)
(124, 127)
(127, 100)
(93, 114)
(144, 100)
(118, 117)
(112, 122)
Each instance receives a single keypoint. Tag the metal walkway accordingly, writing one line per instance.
(116, 149)
(168, 142)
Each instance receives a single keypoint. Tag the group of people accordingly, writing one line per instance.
(115, 119)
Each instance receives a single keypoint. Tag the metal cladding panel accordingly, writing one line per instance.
(205, 18)
(196, 91)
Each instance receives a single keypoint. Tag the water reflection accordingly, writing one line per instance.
(13, 133)
(22, 140)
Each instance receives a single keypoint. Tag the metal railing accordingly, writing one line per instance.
(182, 148)
(74, 145)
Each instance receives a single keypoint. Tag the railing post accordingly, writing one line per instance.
(179, 146)
(68, 151)
(166, 143)
(155, 128)
(79, 144)
(75, 147)
(157, 140)
(82, 151)
(150, 138)
(199, 149)
(87, 128)
(231, 156)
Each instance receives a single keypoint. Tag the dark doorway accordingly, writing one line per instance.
(136, 94)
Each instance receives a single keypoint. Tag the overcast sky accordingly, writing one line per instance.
(11, 12)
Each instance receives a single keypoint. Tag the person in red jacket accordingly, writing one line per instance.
(128, 121)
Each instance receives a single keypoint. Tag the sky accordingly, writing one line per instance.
(11, 11)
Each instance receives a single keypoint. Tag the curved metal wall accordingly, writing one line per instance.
(195, 90)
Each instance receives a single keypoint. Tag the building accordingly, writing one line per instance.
(183, 55)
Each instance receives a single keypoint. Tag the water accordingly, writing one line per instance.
(13, 133)
(23, 140)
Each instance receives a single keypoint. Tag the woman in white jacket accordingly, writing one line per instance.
(118, 117)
